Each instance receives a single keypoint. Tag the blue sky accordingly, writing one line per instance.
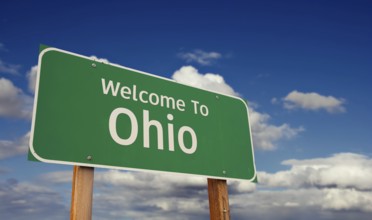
(304, 67)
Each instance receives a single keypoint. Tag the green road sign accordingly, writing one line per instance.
(91, 113)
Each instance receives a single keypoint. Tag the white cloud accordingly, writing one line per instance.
(157, 195)
(311, 188)
(131, 179)
(13, 102)
(190, 76)
(340, 182)
(58, 177)
(9, 68)
(30, 201)
(139, 179)
(343, 170)
(239, 187)
(13, 148)
(265, 135)
(347, 199)
(143, 195)
(275, 204)
(313, 101)
(200, 56)
(308, 203)
(31, 76)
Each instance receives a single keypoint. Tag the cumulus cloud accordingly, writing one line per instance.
(317, 188)
(9, 68)
(13, 148)
(156, 195)
(313, 101)
(241, 187)
(149, 195)
(308, 203)
(31, 76)
(190, 76)
(265, 135)
(343, 181)
(143, 195)
(58, 177)
(275, 204)
(201, 57)
(145, 203)
(347, 199)
(13, 102)
(29, 201)
(139, 180)
(341, 171)
(130, 179)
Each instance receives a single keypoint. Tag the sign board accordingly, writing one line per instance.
(90, 113)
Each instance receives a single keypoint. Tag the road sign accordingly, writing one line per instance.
(91, 113)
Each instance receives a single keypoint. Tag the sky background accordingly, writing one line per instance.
(304, 67)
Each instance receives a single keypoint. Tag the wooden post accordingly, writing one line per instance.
(218, 200)
(82, 193)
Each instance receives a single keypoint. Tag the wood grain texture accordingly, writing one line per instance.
(218, 199)
(82, 193)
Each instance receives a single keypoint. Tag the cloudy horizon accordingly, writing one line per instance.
(302, 67)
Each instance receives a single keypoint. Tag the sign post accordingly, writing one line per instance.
(82, 193)
(218, 199)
